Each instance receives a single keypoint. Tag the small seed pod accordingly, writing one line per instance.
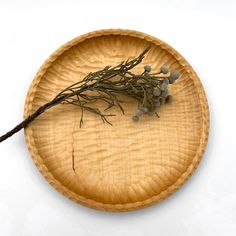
(173, 76)
(147, 68)
(166, 81)
(163, 86)
(143, 109)
(165, 92)
(169, 99)
(156, 92)
(138, 113)
(164, 69)
(135, 118)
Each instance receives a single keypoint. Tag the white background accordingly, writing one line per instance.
(203, 31)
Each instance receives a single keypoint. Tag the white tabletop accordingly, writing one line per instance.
(203, 31)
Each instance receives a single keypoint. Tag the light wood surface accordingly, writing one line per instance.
(128, 165)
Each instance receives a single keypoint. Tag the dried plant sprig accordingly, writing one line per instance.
(148, 89)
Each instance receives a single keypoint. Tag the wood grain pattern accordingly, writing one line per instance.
(130, 165)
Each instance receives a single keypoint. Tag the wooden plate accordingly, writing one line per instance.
(130, 165)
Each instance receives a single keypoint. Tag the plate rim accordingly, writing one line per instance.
(126, 206)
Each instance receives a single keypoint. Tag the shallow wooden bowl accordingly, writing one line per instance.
(128, 165)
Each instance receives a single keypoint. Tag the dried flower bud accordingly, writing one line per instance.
(138, 113)
(147, 68)
(135, 118)
(165, 92)
(166, 81)
(156, 92)
(164, 69)
(173, 76)
(143, 109)
(169, 99)
(163, 86)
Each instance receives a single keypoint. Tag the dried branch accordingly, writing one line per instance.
(106, 85)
